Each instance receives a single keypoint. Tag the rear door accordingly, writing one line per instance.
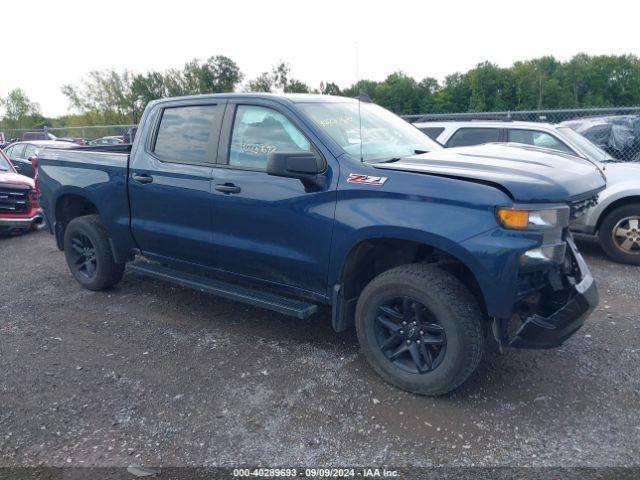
(268, 228)
(170, 183)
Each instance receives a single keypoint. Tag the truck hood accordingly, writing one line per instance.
(527, 174)
(15, 179)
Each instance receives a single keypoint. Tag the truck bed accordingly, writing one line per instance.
(98, 174)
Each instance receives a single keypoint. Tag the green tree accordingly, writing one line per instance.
(276, 78)
(296, 86)
(105, 95)
(366, 87)
(215, 75)
(454, 95)
(262, 83)
(399, 93)
(491, 88)
(19, 109)
(329, 88)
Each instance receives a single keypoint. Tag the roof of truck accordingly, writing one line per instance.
(292, 97)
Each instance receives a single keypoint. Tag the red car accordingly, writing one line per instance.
(19, 207)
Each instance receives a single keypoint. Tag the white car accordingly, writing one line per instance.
(616, 217)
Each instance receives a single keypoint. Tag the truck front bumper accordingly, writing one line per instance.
(20, 222)
(548, 332)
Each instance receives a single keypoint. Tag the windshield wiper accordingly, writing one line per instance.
(420, 152)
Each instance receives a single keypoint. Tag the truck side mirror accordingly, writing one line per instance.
(305, 166)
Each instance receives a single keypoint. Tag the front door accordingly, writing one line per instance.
(170, 184)
(265, 227)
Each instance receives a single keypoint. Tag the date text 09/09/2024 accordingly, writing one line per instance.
(315, 473)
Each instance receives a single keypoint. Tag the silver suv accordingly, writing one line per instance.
(616, 217)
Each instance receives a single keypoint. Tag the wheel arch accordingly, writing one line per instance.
(375, 254)
(69, 205)
(620, 202)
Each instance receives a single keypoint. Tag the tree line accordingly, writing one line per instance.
(112, 97)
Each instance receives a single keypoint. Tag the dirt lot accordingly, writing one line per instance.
(153, 374)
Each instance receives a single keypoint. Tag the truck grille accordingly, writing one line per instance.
(579, 208)
(14, 199)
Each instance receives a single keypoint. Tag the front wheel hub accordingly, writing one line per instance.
(83, 256)
(409, 335)
(626, 235)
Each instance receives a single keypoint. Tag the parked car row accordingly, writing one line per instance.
(47, 136)
(616, 217)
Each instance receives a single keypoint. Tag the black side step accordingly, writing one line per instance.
(270, 301)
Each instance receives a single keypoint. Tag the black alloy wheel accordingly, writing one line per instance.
(409, 335)
(83, 256)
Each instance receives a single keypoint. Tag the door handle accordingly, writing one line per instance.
(228, 188)
(142, 178)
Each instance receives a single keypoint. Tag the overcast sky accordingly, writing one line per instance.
(50, 43)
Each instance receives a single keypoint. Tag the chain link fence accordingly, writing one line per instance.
(616, 130)
(86, 133)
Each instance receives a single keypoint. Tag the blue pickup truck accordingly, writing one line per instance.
(294, 202)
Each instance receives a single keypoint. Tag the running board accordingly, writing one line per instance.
(270, 301)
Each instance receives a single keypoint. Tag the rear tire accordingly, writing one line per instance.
(431, 318)
(89, 255)
(620, 234)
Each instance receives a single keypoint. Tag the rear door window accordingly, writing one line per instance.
(432, 132)
(537, 139)
(188, 134)
(474, 136)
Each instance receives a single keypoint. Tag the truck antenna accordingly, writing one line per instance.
(359, 102)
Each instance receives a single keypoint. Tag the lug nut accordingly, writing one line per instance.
(421, 332)
(401, 332)
(408, 342)
(417, 341)
(404, 323)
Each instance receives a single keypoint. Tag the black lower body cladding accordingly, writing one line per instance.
(551, 331)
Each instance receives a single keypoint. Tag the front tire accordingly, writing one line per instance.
(620, 234)
(89, 255)
(420, 328)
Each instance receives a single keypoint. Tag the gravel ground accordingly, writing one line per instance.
(153, 374)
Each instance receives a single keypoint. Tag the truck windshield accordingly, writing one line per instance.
(385, 136)
(590, 149)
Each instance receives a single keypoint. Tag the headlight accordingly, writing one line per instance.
(531, 219)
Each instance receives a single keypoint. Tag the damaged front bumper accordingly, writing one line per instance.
(538, 331)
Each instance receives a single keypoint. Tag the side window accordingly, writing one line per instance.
(186, 135)
(16, 151)
(538, 139)
(474, 136)
(258, 131)
(432, 132)
(30, 151)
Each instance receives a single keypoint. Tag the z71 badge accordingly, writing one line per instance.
(366, 179)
